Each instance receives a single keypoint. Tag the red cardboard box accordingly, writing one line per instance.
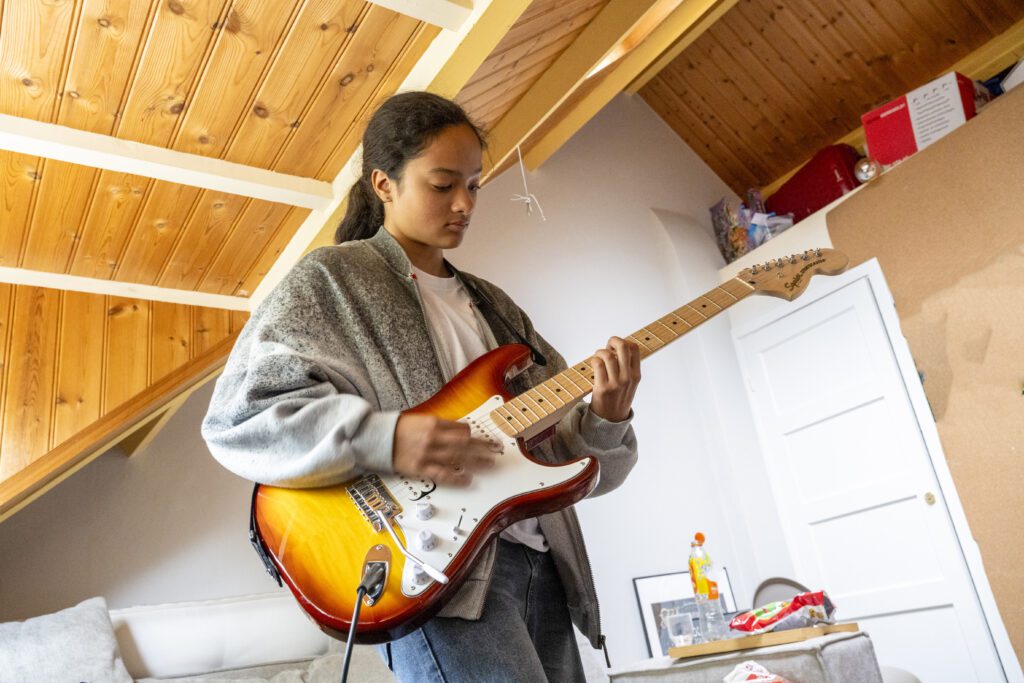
(823, 179)
(896, 130)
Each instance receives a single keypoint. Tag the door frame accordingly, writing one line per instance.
(872, 272)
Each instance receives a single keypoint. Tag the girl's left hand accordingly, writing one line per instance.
(616, 375)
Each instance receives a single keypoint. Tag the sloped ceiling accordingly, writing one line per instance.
(773, 81)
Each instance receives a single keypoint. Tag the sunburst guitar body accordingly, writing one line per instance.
(320, 538)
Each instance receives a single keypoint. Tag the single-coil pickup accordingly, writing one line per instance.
(370, 494)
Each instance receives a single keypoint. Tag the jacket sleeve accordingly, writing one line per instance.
(289, 408)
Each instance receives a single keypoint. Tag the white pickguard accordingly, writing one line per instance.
(513, 475)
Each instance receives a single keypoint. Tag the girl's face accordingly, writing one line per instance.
(430, 208)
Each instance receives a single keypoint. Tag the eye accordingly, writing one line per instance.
(474, 188)
(442, 188)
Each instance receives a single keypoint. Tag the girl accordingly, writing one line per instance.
(313, 391)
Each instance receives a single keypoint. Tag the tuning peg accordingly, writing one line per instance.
(792, 258)
(754, 270)
(806, 255)
(817, 252)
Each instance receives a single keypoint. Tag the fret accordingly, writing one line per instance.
(586, 385)
(553, 398)
(538, 401)
(639, 343)
(582, 392)
(703, 317)
(737, 288)
(508, 417)
(673, 333)
(524, 410)
(705, 308)
(682, 320)
(721, 288)
(653, 338)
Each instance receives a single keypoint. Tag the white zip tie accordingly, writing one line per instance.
(528, 198)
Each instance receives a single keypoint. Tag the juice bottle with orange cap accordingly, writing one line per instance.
(712, 620)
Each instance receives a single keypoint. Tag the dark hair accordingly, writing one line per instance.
(401, 128)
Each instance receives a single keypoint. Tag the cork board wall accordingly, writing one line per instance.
(947, 227)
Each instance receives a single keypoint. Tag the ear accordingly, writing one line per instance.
(382, 185)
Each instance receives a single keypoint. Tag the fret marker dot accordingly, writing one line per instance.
(524, 410)
(647, 339)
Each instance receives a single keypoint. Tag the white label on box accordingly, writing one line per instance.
(935, 110)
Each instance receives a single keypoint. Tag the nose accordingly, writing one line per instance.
(463, 201)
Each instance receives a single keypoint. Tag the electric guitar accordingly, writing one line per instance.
(426, 537)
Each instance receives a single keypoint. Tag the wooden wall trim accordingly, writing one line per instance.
(26, 485)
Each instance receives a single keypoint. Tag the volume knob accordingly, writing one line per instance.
(424, 510)
(426, 540)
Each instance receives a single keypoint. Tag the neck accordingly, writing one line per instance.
(427, 258)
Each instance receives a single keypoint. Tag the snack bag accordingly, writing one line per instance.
(754, 672)
(805, 609)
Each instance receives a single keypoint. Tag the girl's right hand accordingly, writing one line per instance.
(427, 447)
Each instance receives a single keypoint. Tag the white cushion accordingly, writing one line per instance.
(75, 644)
(187, 638)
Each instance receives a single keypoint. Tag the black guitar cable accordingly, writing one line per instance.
(374, 574)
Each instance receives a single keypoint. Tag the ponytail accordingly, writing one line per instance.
(363, 215)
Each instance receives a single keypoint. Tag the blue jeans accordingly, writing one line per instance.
(523, 636)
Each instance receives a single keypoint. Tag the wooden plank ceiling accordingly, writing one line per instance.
(773, 81)
(275, 85)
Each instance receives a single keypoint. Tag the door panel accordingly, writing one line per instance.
(860, 502)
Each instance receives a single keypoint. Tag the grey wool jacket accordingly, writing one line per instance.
(314, 386)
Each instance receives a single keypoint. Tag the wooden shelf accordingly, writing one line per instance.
(761, 640)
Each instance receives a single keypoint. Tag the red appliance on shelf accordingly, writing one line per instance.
(822, 180)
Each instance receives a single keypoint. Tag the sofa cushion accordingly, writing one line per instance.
(74, 644)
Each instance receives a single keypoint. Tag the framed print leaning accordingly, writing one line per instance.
(665, 600)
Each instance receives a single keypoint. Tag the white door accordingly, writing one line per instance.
(857, 490)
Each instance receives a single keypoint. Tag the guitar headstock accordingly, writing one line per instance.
(787, 277)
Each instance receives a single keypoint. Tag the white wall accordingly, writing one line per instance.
(170, 524)
(627, 239)
(166, 525)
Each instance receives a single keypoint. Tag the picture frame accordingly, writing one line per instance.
(662, 595)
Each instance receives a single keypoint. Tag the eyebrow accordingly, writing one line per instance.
(449, 171)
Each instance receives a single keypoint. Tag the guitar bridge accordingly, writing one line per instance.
(371, 496)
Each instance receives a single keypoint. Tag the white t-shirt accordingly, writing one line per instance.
(458, 332)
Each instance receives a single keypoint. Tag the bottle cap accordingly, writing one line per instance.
(698, 538)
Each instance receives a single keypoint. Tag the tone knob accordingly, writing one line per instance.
(419, 577)
(426, 540)
(424, 510)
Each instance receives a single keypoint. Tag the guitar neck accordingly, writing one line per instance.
(530, 409)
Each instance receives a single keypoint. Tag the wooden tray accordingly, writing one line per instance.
(762, 640)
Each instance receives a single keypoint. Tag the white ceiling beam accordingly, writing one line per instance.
(89, 285)
(449, 14)
(125, 156)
